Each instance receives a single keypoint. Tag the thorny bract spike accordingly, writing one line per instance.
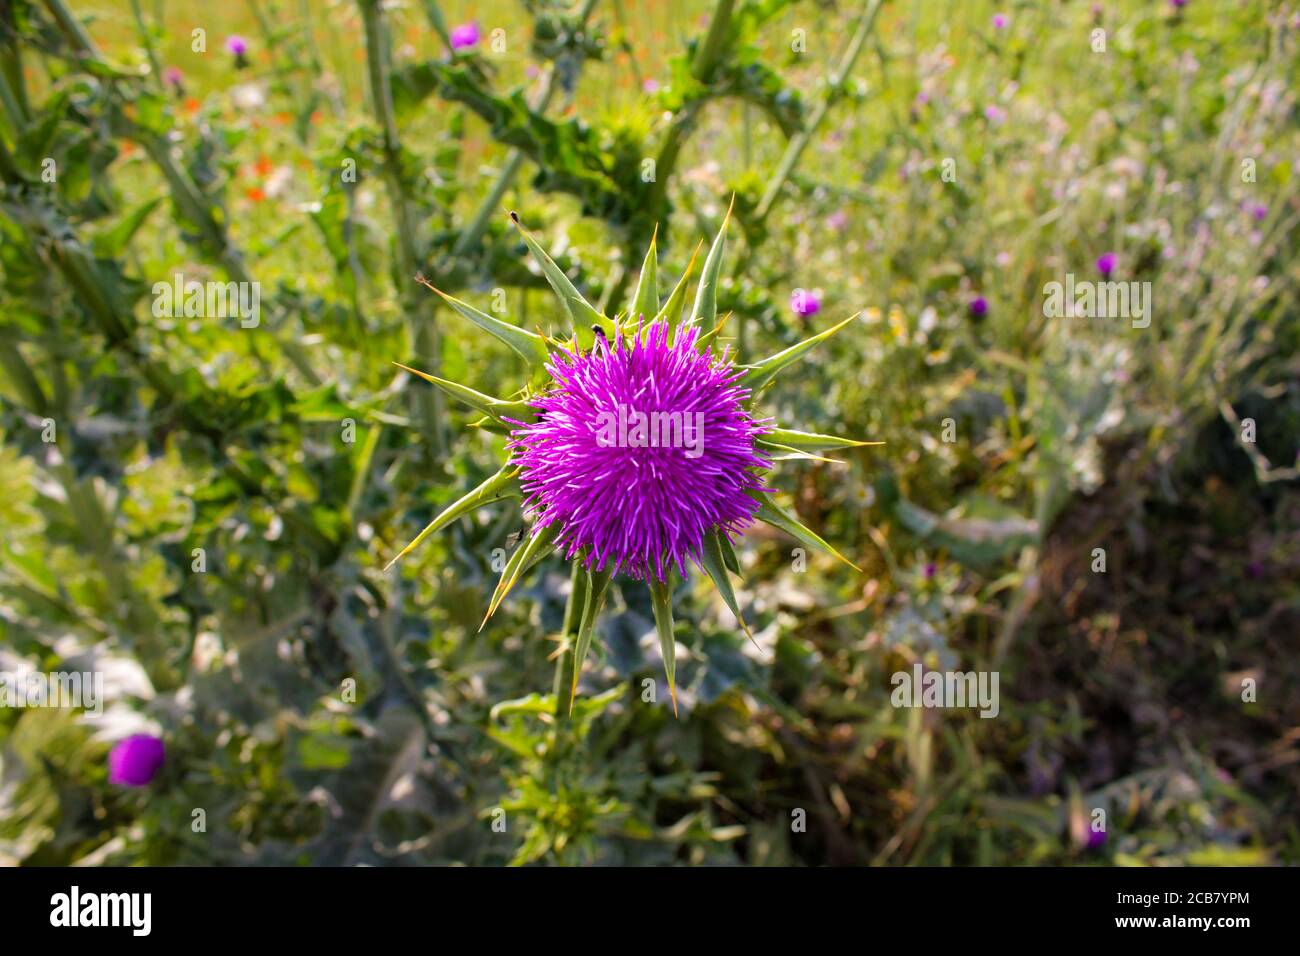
(639, 454)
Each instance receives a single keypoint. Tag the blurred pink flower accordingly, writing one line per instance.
(134, 761)
(804, 302)
(465, 36)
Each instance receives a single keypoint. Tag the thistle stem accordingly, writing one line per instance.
(492, 203)
(834, 90)
(564, 662)
(425, 341)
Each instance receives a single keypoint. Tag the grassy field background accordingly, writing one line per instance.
(959, 159)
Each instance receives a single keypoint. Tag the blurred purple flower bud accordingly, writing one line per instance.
(1000, 21)
(804, 302)
(236, 45)
(465, 36)
(135, 760)
(979, 306)
(1106, 263)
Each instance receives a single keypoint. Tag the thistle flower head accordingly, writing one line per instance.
(634, 447)
(641, 448)
(236, 45)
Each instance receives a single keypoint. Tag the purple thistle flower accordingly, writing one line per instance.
(929, 570)
(596, 466)
(642, 456)
(173, 76)
(135, 760)
(1106, 263)
(979, 306)
(1178, 4)
(465, 36)
(1096, 838)
(1259, 211)
(805, 303)
(650, 85)
(999, 21)
(995, 114)
(236, 45)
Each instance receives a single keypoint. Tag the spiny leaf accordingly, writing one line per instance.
(530, 345)
(661, 599)
(597, 584)
(672, 310)
(580, 312)
(492, 407)
(771, 514)
(763, 372)
(707, 338)
(714, 562)
(493, 489)
(645, 300)
(811, 441)
(786, 453)
(706, 296)
(489, 424)
(534, 548)
(729, 555)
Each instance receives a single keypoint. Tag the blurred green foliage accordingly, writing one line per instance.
(139, 448)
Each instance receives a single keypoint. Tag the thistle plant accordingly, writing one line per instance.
(635, 446)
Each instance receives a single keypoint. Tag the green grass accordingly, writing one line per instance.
(1119, 691)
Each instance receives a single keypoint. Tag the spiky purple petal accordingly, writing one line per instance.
(642, 508)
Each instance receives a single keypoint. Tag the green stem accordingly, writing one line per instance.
(707, 55)
(24, 379)
(425, 344)
(73, 29)
(834, 90)
(492, 203)
(12, 87)
(564, 662)
(147, 39)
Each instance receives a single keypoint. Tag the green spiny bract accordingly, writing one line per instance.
(642, 507)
